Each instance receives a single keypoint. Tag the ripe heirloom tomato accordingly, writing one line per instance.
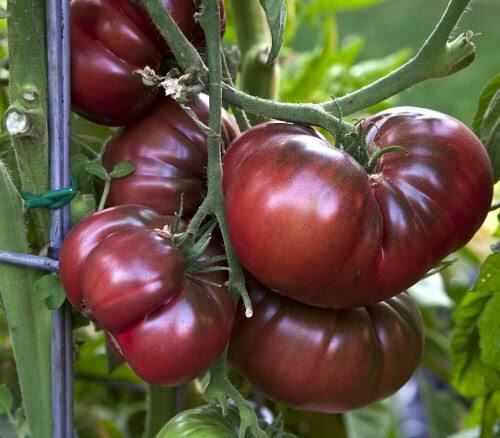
(110, 39)
(310, 223)
(326, 360)
(119, 270)
(169, 153)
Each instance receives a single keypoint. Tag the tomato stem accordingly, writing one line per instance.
(436, 58)
(105, 194)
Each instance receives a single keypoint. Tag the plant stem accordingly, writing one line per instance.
(239, 114)
(257, 77)
(185, 53)
(105, 194)
(214, 202)
(436, 58)
(28, 98)
(306, 113)
(160, 408)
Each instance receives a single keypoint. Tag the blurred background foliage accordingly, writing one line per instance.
(332, 47)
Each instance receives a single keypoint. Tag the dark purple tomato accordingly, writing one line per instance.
(110, 40)
(311, 223)
(119, 270)
(326, 360)
(169, 153)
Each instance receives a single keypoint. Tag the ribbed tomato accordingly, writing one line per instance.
(110, 40)
(324, 359)
(169, 153)
(119, 270)
(310, 222)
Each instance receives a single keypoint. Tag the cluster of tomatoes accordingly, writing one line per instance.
(329, 246)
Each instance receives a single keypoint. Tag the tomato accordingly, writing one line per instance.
(169, 153)
(326, 360)
(202, 422)
(120, 271)
(311, 223)
(110, 40)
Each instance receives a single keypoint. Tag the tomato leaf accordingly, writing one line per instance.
(375, 421)
(487, 122)
(6, 400)
(50, 289)
(276, 17)
(122, 169)
(220, 389)
(489, 332)
(312, 9)
(484, 102)
(95, 168)
(469, 371)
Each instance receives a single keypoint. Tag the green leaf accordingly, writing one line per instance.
(50, 289)
(431, 292)
(220, 390)
(311, 74)
(490, 134)
(469, 372)
(484, 102)
(489, 332)
(6, 400)
(95, 168)
(276, 17)
(315, 7)
(374, 421)
(122, 169)
(442, 409)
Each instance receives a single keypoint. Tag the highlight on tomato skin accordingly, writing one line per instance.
(326, 360)
(110, 41)
(310, 222)
(121, 272)
(169, 154)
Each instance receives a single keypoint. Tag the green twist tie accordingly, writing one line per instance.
(53, 199)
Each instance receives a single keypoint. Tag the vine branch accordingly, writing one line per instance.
(436, 58)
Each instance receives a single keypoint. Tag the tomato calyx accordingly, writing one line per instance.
(195, 265)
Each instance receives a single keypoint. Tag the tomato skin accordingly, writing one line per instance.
(118, 270)
(326, 360)
(110, 40)
(309, 222)
(87, 234)
(169, 153)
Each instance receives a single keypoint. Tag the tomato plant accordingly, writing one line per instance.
(110, 40)
(169, 154)
(333, 234)
(327, 360)
(121, 270)
(309, 221)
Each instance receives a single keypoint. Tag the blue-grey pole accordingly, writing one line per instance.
(59, 136)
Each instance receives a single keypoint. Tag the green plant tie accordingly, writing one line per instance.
(52, 199)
